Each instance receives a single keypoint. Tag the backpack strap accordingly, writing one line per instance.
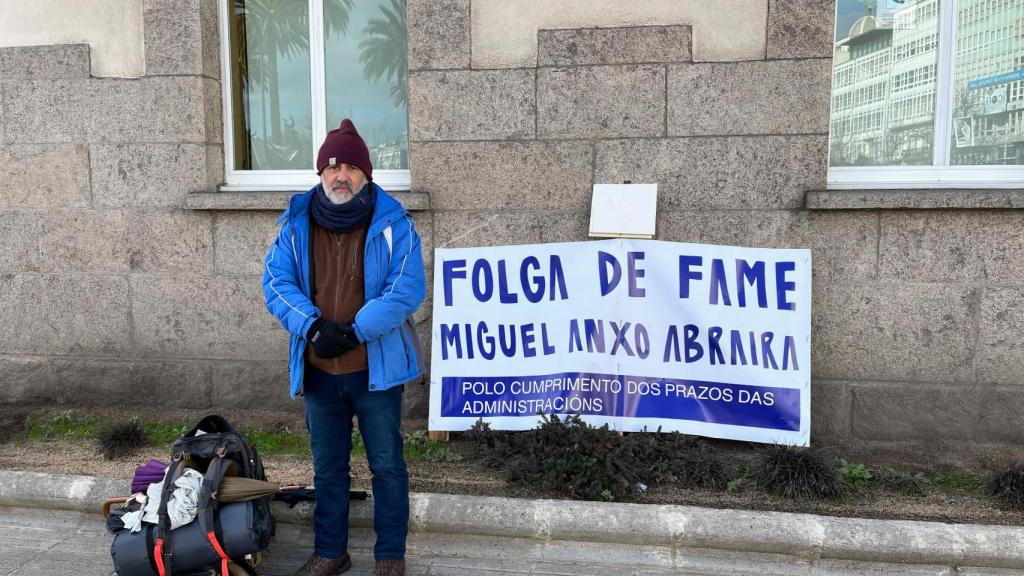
(162, 551)
(208, 507)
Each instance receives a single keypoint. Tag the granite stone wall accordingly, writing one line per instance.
(113, 281)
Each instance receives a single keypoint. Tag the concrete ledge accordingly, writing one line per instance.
(278, 201)
(802, 536)
(914, 199)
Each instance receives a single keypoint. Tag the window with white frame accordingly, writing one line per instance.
(293, 69)
(927, 93)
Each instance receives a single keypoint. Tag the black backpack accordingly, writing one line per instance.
(221, 533)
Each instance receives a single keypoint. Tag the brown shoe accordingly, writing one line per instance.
(320, 566)
(389, 568)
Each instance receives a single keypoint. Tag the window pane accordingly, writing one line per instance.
(273, 126)
(988, 102)
(883, 83)
(366, 75)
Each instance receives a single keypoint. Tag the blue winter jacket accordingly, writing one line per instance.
(394, 285)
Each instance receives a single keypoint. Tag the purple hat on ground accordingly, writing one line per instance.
(152, 471)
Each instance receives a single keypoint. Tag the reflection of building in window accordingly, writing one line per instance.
(989, 52)
(899, 58)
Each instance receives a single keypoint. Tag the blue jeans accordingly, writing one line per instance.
(331, 402)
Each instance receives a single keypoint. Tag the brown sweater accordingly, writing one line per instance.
(338, 290)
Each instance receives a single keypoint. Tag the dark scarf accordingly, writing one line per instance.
(343, 217)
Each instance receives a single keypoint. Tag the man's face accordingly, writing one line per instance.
(342, 182)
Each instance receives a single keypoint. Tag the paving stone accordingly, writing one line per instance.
(503, 175)
(601, 101)
(159, 109)
(894, 332)
(241, 241)
(438, 34)
(801, 28)
(147, 175)
(766, 97)
(171, 241)
(55, 61)
(74, 314)
(218, 317)
(84, 241)
(631, 45)
(952, 246)
(472, 105)
(719, 172)
(44, 176)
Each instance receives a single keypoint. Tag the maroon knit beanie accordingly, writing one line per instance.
(344, 144)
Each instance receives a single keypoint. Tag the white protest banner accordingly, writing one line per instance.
(638, 334)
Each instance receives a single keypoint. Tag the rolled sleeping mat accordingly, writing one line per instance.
(243, 528)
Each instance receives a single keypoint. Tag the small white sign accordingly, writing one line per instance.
(623, 210)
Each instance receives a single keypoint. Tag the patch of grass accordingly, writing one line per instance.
(165, 433)
(952, 480)
(901, 482)
(419, 446)
(121, 439)
(735, 484)
(285, 442)
(63, 424)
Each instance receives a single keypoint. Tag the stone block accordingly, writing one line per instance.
(843, 246)
(242, 385)
(1001, 337)
(35, 380)
(210, 22)
(715, 173)
(174, 37)
(881, 411)
(999, 420)
(952, 246)
(601, 101)
(147, 175)
(20, 231)
(438, 34)
(171, 242)
(472, 105)
(241, 240)
(632, 45)
(766, 97)
(29, 177)
(160, 109)
(468, 229)
(424, 224)
(801, 28)
(72, 314)
(18, 63)
(906, 332)
(209, 317)
(83, 241)
(504, 175)
(213, 110)
(215, 175)
(831, 404)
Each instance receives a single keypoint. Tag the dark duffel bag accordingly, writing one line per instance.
(238, 528)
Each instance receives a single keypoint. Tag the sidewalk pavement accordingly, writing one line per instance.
(457, 535)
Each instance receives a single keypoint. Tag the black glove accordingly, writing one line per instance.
(330, 339)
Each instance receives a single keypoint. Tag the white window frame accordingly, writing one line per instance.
(287, 180)
(941, 174)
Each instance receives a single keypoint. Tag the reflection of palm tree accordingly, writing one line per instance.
(384, 51)
(281, 28)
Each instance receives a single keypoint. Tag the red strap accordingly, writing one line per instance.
(158, 554)
(220, 551)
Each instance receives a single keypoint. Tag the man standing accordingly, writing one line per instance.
(343, 276)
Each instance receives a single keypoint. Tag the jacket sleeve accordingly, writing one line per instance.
(403, 290)
(284, 298)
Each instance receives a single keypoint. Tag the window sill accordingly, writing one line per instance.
(278, 201)
(914, 199)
